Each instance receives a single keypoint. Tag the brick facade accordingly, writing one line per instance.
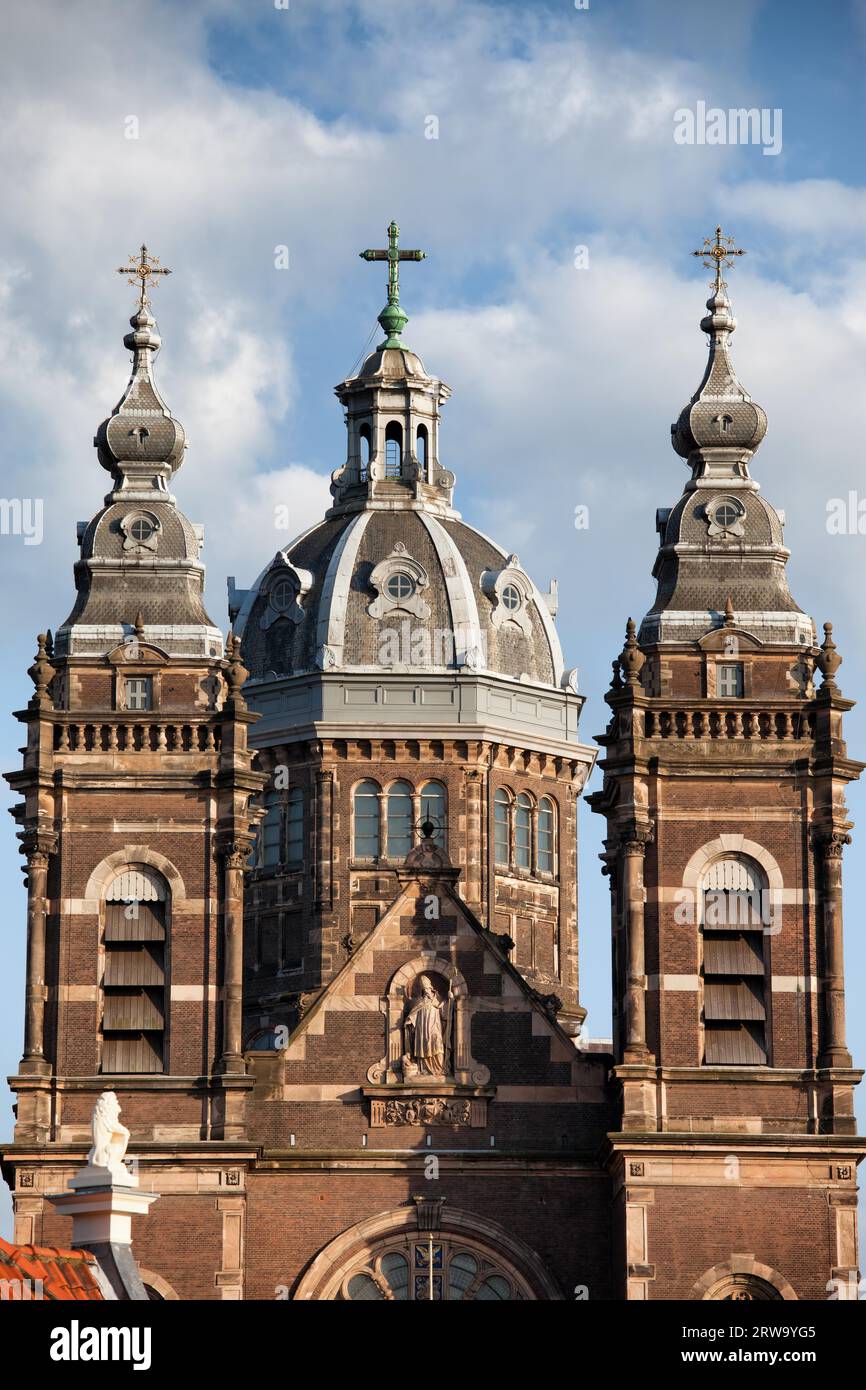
(355, 1072)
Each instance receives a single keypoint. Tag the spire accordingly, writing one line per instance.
(141, 444)
(393, 317)
(721, 427)
(721, 547)
(140, 554)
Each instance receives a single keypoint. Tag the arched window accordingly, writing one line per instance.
(546, 836)
(733, 899)
(134, 990)
(269, 831)
(367, 821)
(295, 828)
(434, 808)
(393, 450)
(399, 820)
(437, 1270)
(421, 449)
(523, 832)
(502, 827)
(364, 445)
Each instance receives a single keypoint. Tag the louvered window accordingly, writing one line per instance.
(735, 1011)
(134, 983)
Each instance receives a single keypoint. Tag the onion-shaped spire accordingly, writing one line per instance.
(141, 438)
(721, 427)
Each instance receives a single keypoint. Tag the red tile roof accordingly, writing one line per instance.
(62, 1274)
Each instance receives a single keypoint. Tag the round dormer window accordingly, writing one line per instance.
(726, 514)
(282, 596)
(510, 598)
(399, 586)
(141, 529)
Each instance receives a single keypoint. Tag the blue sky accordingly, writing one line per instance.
(305, 127)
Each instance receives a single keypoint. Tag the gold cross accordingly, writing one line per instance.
(718, 254)
(143, 271)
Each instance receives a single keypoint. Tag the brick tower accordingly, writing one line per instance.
(724, 784)
(135, 825)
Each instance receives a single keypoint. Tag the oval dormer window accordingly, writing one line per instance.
(726, 514)
(510, 598)
(399, 586)
(282, 596)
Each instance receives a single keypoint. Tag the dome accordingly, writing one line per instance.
(397, 590)
(392, 580)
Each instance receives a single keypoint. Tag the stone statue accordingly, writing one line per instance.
(110, 1137)
(426, 1032)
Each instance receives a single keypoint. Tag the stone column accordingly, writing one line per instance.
(633, 851)
(474, 839)
(34, 1061)
(234, 861)
(834, 1052)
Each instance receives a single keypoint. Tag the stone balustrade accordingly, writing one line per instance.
(140, 736)
(729, 722)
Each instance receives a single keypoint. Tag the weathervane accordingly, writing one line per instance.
(393, 318)
(144, 272)
(718, 254)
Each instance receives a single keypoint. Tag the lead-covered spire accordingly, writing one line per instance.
(722, 543)
(721, 427)
(139, 573)
(141, 443)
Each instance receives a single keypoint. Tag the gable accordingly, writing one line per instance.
(358, 1045)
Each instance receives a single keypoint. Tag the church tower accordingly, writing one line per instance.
(724, 793)
(407, 671)
(134, 821)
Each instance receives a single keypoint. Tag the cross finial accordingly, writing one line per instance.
(144, 271)
(718, 253)
(393, 318)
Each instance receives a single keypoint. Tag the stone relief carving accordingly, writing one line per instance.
(426, 1110)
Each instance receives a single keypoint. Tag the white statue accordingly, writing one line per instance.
(110, 1137)
(427, 1027)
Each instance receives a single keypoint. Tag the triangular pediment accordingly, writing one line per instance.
(498, 1032)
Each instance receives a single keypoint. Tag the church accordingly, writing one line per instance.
(305, 899)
